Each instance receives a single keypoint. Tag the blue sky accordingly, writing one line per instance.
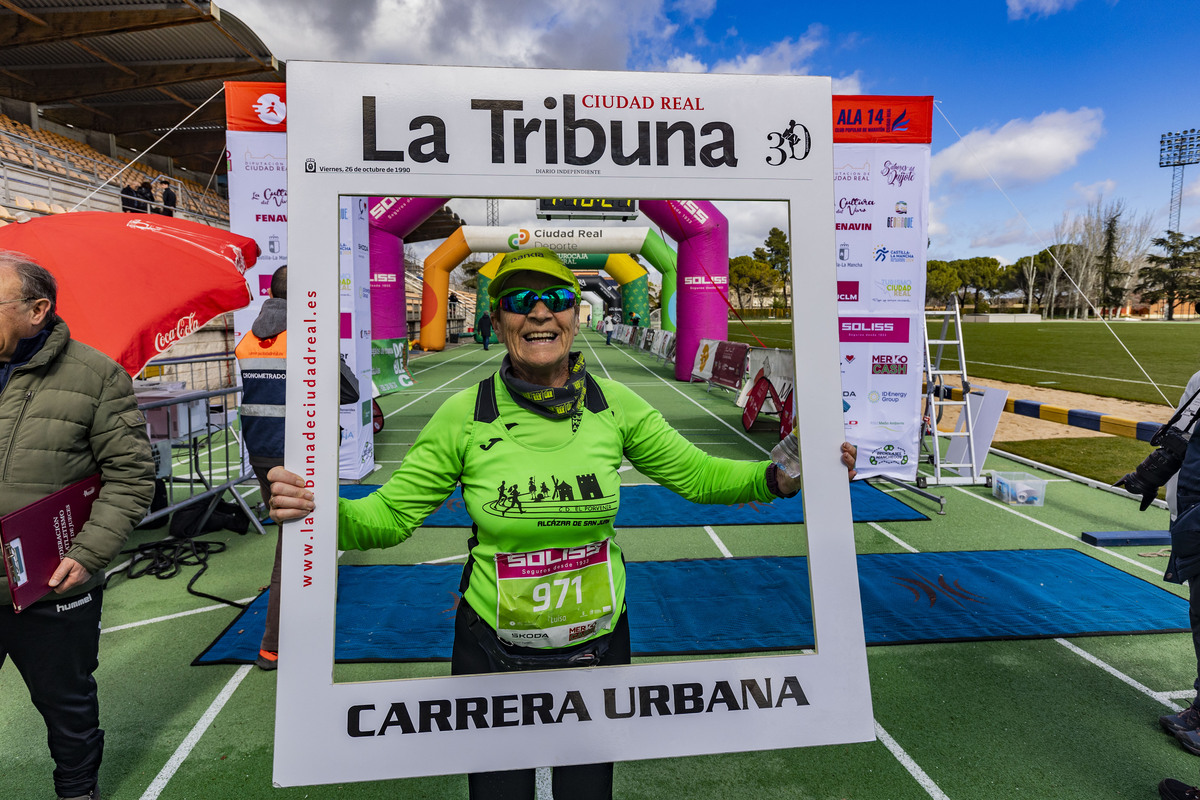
(1061, 101)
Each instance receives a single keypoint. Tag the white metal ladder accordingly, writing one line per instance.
(939, 396)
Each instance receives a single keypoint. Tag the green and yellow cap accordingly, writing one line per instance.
(535, 259)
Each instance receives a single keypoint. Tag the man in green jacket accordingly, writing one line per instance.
(67, 411)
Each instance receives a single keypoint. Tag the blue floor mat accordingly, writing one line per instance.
(650, 506)
(406, 613)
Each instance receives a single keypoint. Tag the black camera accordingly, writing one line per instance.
(1158, 467)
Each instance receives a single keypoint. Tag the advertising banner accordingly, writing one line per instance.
(435, 132)
(881, 220)
(356, 455)
(256, 162)
(389, 366)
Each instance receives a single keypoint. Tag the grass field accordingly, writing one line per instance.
(1089, 357)
(1035, 718)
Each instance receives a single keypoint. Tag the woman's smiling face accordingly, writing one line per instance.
(539, 343)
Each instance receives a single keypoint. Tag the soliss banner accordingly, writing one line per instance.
(881, 220)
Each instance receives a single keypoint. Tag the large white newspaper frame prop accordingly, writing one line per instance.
(333, 732)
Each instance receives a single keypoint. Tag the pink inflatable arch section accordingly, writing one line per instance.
(699, 229)
(702, 235)
(393, 218)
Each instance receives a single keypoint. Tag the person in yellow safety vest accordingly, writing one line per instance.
(262, 357)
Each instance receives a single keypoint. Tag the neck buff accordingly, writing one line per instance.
(552, 402)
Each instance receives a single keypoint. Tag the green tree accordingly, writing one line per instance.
(1112, 277)
(1171, 277)
(749, 277)
(978, 275)
(777, 252)
(941, 281)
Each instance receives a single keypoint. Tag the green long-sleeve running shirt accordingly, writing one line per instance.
(543, 493)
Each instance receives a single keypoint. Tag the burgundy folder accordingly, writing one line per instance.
(35, 538)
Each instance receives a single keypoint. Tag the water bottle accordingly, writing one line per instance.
(787, 454)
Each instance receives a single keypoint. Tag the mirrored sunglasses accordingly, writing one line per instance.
(523, 301)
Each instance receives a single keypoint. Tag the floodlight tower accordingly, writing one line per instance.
(1176, 150)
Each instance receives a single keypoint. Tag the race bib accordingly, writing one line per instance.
(555, 597)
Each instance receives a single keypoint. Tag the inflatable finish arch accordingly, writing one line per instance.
(694, 297)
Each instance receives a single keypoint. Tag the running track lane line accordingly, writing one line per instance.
(462, 374)
(1161, 697)
(1059, 531)
(185, 747)
(894, 538)
(712, 414)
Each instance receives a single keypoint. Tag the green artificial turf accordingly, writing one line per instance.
(1101, 458)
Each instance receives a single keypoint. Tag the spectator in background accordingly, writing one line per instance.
(145, 193)
(168, 198)
(609, 326)
(67, 412)
(262, 357)
(485, 329)
(129, 201)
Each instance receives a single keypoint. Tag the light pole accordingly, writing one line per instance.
(1176, 150)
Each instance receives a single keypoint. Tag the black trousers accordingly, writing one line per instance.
(55, 645)
(579, 782)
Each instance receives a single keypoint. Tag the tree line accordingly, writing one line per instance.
(1103, 260)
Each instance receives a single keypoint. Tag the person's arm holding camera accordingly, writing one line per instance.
(1162, 466)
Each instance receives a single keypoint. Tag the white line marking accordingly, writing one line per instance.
(906, 761)
(1162, 697)
(1070, 536)
(1072, 374)
(421, 397)
(711, 413)
(128, 625)
(717, 541)
(185, 747)
(444, 560)
(894, 538)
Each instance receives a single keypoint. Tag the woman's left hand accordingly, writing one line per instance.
(789, 485)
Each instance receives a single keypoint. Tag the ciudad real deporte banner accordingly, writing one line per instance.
(415, 131)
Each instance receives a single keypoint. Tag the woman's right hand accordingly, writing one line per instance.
(289, 499)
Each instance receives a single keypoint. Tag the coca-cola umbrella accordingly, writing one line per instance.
(132, 285)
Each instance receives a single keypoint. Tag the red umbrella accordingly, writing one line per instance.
(131, 285)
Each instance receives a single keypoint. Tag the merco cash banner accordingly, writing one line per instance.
(438, 132)
(881, 213)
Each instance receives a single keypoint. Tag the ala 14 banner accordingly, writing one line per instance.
(881, 220)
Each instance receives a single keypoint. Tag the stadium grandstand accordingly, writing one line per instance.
(96, 95)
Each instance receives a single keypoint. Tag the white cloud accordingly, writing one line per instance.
(1019, 9)
(1022, 151)
(597, 34)
(694, 9)
(1014, 231)
(686, 62)
(750, 222)
(848, 84)
(785, 57)
(1094, 191)
(1192, 189)
(937, 228)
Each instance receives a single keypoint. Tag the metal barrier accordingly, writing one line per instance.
(197, 449)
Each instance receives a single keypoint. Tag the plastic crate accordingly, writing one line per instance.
(1018, 488)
